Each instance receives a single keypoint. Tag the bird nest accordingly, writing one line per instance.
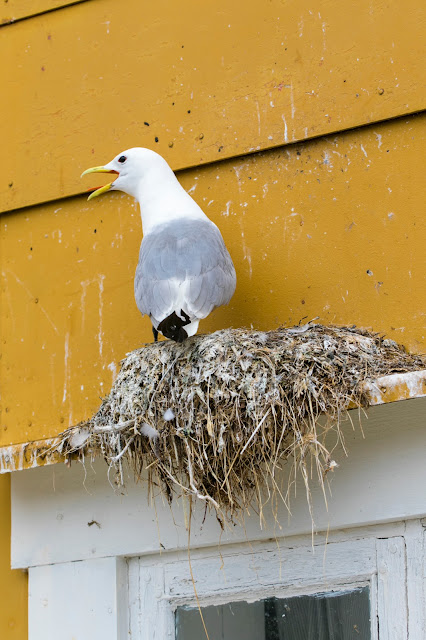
(217, 416)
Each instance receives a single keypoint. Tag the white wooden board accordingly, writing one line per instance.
(61, 514)
(415, 549)
(109, 599)
(253, 574)
(78, 600)
(392, 589)
(300, 570)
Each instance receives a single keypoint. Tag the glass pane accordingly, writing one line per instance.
(343, 615)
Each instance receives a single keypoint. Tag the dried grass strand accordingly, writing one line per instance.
(244, 402)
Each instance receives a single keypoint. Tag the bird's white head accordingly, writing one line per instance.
(146, 176)
(135, 168)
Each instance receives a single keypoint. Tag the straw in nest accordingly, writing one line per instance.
(217, 416)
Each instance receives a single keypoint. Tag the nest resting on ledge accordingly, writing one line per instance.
(216, 416)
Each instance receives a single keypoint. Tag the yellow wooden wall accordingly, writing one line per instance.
(13, 584)
(298, 130)
(318, 225)
(211, 79)
(332, 227)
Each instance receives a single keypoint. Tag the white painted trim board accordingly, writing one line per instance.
(382, 480)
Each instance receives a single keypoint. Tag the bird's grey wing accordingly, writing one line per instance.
(185, 266)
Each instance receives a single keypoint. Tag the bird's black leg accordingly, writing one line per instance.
(155, 332)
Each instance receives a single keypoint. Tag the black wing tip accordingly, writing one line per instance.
(172, 327)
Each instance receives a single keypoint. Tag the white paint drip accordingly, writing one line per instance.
(66, 365)
(285, 129)
(113, 368)
(363, 150)
(258, 117)
(84, 286)
(246, 250)
(237, 173)
(7, 459)
(379, 139)
(248, 258)
(101, 305)
(228, 204)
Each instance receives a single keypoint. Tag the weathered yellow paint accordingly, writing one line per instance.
(332, 228)
(214, 79)
(13, 10)
(13, 584)
(31, 454)
(396, 387)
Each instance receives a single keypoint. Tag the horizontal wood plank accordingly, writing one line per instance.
(195, 81)
(302, 569)
(13, 10)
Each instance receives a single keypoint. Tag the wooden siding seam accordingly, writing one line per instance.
(7, 22)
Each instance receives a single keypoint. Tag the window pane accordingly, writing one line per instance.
(323, 616)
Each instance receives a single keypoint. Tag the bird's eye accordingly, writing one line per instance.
(122, 159)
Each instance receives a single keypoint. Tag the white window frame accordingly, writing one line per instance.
(114, 598)
(157, 589)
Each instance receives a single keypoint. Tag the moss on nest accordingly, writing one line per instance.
(216, 416)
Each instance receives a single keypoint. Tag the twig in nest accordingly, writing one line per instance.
(243, 402)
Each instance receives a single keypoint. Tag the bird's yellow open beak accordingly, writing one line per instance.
(103, 189)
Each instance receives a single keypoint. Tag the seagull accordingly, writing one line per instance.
(184, 269)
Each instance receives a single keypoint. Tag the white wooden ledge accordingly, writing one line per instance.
(61, 514)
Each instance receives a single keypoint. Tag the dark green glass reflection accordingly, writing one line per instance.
(323, 616)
